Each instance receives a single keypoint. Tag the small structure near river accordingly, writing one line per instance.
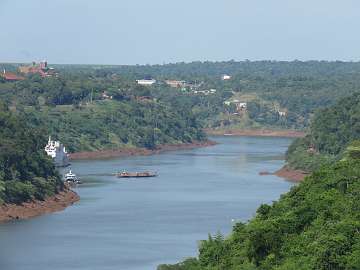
(57, 152)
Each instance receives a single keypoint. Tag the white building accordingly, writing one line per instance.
(205, 92)
(146, 81)
(57, 152)
(240, 106)
(225, 77)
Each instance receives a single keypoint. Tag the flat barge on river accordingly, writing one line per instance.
(126, 174)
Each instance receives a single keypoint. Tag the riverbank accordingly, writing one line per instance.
(290, 174)
(125, 152)
(257, 132)
(27, 210)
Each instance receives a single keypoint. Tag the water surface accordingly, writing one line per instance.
(138, 224)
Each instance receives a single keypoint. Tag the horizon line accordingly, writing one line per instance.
(189, 62)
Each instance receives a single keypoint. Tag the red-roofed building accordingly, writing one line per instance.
(42, 69)
(11, 77)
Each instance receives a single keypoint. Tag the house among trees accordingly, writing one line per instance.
(225, 77)
(105, 96)
(146, 81)
(11, 77)
(282, 113)
(42, 69)
(175, 83)
(205, 92)
(240, 106)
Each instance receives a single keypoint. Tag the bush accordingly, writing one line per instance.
(19, 192)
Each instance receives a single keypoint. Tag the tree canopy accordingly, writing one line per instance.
(26, 173)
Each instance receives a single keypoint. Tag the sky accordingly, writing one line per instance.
(167, 31)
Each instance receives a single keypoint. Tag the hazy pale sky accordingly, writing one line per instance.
(163, 31)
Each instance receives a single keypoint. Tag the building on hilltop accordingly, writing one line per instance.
(11, 77)
(41, 68)
(57, 152)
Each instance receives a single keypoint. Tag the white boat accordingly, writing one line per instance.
(70, 177)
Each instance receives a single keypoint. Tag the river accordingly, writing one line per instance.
(136, 224)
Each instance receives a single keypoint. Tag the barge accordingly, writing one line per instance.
(126, 174)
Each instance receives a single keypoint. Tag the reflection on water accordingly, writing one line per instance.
(136, 224)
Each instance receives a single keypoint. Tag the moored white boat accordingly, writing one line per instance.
(70, 177)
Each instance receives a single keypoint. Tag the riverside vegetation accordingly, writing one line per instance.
(332, 130)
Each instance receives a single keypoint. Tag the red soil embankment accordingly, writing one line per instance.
(26, 210)
(293, 175)
(257, 132)
(125, 152)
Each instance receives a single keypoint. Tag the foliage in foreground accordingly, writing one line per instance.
(26, 172)
(332, 129)
(314, 226)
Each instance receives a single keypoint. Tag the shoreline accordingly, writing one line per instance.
(58, 202)
(126, 152)
(257, 132)
(290, 174)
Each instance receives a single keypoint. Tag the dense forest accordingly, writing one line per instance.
(112, 125)
(313, 226)
(332, 129)
(297, 88)
(26, 173)
(88, 113)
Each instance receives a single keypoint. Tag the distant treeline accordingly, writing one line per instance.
(296, 88)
